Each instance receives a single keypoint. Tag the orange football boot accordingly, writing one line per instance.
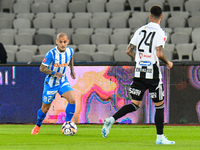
(35, 130)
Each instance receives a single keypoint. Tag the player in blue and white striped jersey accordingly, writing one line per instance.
(55, 65)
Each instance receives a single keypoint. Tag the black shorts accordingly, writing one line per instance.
(139, 86)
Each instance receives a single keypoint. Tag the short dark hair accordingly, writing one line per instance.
(156, 11)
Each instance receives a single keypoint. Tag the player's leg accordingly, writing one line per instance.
(67, 92)
(136, 91)
(47, 99)
(158, 98)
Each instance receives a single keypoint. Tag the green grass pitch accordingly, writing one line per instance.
(88, 137)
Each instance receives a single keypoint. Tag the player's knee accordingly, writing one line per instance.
(160, 106)
(136, 107)
(72, 101)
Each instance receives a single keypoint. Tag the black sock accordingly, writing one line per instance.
(159, 120)
(124, 110)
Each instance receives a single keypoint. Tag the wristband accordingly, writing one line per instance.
(53, 72)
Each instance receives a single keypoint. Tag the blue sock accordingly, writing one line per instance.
(40, 117)
(70, 109)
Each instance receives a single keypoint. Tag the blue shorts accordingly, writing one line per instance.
(50, 92)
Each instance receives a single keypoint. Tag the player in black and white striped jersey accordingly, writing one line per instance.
(148, 43)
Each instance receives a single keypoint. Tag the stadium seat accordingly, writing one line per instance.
(38, 58)
(48, 31)
(60, 23)
(168, 54)
(185, 50)
(24, 56)
(79, 23)
(101, 57)
(100, 38)
(194, 22)
(196, 35)
(82, 57)
(77, 6)
(80, 38)
(196, 54)
(179, 38)
(84, 15)
(88, 31)
(105, 15)
(149, 4)
(6, 39)
(87, 48)
(120, 55)
(117, 22)
(10, 56)
(126, 31)
(32, 31)
(97, 22)
(39, 7)
(176, 21)
(10, 16)
(5, 23)
(132, 23)
(42, 22)
(32, 48)
(24, 39)
(21, 23)
(29, 16)
(119, 38)
(136, 5)
(21, 7)
(187, 30)
(113, 6)
(9, 31)
(107, 31)
(7, 6)
(45, 1)
(67, 15)
(124, 14)
(184, 14)
(107, 48)
(96, 6)
(41, 39)
(170, 47)
(64, 1)
(25, 1)
(57, 7)
(43, 49)
(13, 48)
(122, 46)
(192, 5)
(176, 5)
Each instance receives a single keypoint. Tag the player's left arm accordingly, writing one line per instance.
(160, 54)
(71, 65)
(130, 50)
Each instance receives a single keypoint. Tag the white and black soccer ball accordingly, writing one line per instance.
(69, 128)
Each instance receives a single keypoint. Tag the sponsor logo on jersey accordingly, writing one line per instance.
(44, 60)
(148, 56)
(140, 55)
(60, 65)
(145, 63)
(143, 70)
(134, 91)
(153, 95)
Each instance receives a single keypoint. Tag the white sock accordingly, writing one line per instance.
(160, 135)
(112, 120)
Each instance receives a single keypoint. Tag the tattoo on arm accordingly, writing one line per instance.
(45, 70)
(130, 50)
(160, 54)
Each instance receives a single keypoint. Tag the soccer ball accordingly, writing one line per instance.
(69, 128)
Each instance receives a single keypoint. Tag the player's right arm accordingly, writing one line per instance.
(160, 54)
(130, 50)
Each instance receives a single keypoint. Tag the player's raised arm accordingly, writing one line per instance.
(71, 65)
(160, 54)
(130, 50)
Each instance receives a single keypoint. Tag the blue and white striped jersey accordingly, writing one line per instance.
(57, 61)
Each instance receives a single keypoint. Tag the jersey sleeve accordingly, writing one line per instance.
(162, 39)
(71, 52)
(134, 38)
(47, 59)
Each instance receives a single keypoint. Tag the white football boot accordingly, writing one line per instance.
(107, 126)
(163, 140)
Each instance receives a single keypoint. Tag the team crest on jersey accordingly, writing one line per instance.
(44, 60)
(140, 55)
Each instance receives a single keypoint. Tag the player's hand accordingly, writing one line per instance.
(58, 75)
(73, 75)
(169, 65)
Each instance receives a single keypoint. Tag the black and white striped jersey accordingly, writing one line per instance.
(146, 39)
